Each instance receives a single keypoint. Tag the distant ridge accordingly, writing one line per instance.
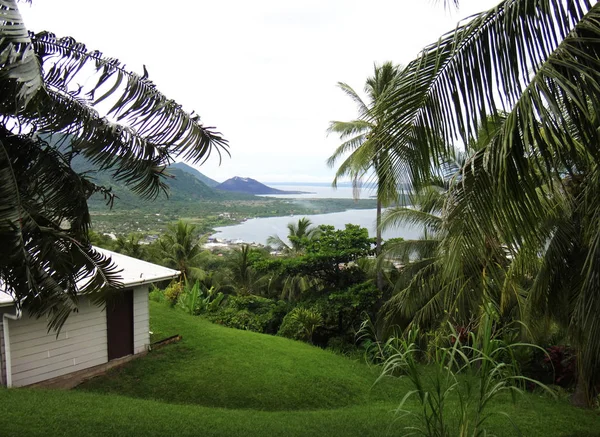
(191, 170)
(251, 186)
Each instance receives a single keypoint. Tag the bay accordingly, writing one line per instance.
(259, 229)
(318, 191)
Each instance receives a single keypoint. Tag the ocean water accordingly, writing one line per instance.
(319, 191)
(259, 229)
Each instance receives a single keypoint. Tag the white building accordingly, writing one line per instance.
(89, 338)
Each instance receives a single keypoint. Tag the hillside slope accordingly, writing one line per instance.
(269, 386)
(241, 369)
(191, 170)
(184, 187)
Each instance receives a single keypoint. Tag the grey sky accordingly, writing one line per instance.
(264, 72)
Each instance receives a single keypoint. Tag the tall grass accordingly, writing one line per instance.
(473, 376)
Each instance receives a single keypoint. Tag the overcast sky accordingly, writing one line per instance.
(264, 72)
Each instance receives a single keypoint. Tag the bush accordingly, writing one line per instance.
(291, 327)
(157, 295)
(555, 365)
(173, 291)
(301, 323)
(240, 319)
(197, 299)
(251, 313)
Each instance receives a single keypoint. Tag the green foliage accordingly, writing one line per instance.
(101, 240)
(298, 235)
(327, 276)
(197, 299)
(346, 244)
(346, 307)
(130, 246)
(252, 313)
(477, 375)
(291, 327)
(173, 291)
(241, 319)
(157, 295)
(181, 248)
(307, 319)
(241, 276)
(375, 349)
(327, 256)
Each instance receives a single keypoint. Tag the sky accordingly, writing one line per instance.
(263, 72)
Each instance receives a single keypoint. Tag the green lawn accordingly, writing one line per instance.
(220, 381)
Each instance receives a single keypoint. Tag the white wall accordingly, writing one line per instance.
(38, 355)
(141, 320)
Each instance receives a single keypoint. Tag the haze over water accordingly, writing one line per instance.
(259, 229)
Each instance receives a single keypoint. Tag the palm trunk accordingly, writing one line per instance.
(580, 397)
(378, 245)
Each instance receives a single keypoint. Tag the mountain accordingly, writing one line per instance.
(183, 188)
(191, 170)
(251, 186)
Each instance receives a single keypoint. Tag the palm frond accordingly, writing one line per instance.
(363, 109)
(48, 261)
(400, 216)
(436, 101)
(148, 131)
(20, 77)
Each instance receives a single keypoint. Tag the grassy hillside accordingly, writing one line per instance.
(191, 170)
(224, 382)
(242, 369)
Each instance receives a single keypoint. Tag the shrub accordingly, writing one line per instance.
(157, 295)
(309, 319)
(290, 327)
(375, 350)
(253, 313)
(197, 299)
(240, 319)
(173, 291)
(301, 323)
(561, 361)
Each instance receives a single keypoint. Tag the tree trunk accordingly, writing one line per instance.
(378, 245)
(580, 397)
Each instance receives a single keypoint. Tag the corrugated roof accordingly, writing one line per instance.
(133, 272)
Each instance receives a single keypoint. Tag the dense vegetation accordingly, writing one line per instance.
(319, 291)
(222, 382)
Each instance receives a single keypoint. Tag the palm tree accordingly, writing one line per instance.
(46, 118)
(539, 62)
(298, 235)
(244, 279)
(181, 248)
(130, 245)
(365, 139)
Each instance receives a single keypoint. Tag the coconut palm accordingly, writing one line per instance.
(50, 91)
(130, 245)
(298, 235)
(365, 144)
(181, 248)
(538, 61)
(243, 279)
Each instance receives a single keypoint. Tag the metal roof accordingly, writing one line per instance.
(133, 272)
